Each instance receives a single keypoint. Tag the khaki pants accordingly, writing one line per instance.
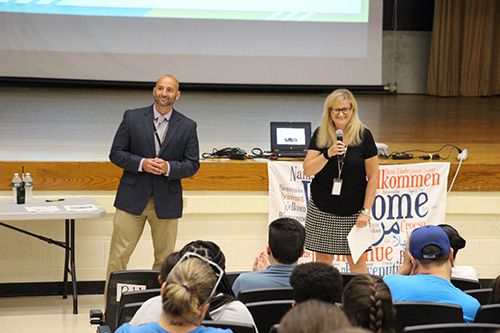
(127, 230)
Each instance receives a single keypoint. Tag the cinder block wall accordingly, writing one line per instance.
(237, 221)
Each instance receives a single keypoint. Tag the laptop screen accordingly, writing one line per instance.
(290, 138)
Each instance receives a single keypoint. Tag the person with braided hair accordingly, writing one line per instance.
(186, 297)
(223, 307)
(367, 303)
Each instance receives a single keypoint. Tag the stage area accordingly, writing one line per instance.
(70, 130)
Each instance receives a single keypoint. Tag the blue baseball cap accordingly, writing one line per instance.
(429, 235)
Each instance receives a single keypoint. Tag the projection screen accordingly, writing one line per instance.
(283, 42)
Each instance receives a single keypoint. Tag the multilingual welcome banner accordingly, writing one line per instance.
(408, 196)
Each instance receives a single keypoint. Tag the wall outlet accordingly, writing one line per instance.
(463, 155)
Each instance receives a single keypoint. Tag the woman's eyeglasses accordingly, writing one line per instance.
(343, 110)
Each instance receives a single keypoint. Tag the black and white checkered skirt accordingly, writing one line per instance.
(327, 232)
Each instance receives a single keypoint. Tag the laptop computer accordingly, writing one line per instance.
(290, 139)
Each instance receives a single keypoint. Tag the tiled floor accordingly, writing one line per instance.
(44, 314)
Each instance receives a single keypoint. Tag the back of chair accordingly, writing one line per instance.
(135, 296)
(489, 313)
(346, 277)
(453, 328)
(127, 312)
(267, 313)
(233, 326)
(123, 281)
(231, 276)
(420, 313)
(274, 328)
(482, 295)
(265, 294)
(465, 284)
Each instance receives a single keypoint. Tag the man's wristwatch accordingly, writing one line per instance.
(367, 212)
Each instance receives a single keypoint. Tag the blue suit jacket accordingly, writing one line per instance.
(133, 141)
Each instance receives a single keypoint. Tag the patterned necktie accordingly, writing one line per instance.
(160, 130)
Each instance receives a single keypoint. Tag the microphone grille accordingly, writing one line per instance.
(339, 133)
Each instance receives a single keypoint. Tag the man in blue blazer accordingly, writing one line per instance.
(156, 147)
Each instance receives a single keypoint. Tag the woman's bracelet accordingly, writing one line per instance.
(367, 212)
(325, 154)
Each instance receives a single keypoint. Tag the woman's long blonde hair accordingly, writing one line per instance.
(189, 286)
(354, 131)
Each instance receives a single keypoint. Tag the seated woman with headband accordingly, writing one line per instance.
(223, 305)
(186, 298)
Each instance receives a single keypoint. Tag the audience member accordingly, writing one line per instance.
(495, 291)
(285, 246)
(151, 310)
(457, 243)
(223, 306)
(367, 303)
(313, 316)
(316, 280)
(186, 298)
(431, 260)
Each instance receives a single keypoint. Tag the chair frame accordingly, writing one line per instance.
(135, 296)
(236, 327)
(453, 328)
(483, 295)
(265, 294)
(265, 324)
(128, 310)
(438, 313)
(488, 314)
(149, 278)
(465, 284)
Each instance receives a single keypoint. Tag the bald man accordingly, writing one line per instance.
(156, 147)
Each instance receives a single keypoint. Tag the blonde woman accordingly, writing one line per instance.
(345, 169)
(186, 298)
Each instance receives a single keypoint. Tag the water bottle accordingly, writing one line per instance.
(28, 185)
(21, 195)
(16, 185)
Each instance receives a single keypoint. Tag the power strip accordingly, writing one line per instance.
(402, 156)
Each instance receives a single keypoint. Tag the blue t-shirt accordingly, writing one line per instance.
(429, 288)
(155, 328)
(277, 275)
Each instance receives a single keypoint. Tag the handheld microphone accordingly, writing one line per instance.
(340, 135)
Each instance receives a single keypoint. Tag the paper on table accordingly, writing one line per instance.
(359, 240)
(42, 209)
(80, 208)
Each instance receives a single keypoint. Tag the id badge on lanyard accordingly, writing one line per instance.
(337, 186)
(337, 182)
